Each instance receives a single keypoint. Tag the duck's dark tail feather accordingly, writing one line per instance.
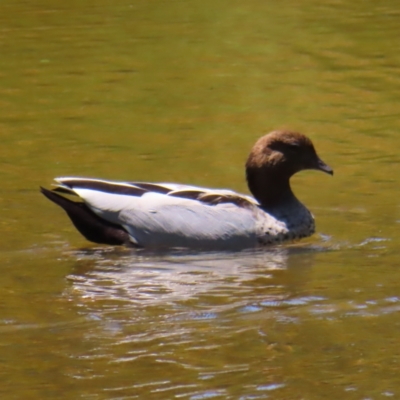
(91, 226)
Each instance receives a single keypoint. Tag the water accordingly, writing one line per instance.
(179, 92)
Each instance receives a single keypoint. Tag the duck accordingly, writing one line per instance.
(169, 215)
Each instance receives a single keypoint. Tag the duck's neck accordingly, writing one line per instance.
(269, 189)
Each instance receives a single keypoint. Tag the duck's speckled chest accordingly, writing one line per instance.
(284, 223)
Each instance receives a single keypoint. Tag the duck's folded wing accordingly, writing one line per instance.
(167, 214)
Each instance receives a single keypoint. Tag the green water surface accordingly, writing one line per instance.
(178, 92)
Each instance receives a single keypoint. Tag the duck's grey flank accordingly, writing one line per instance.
(163, 215)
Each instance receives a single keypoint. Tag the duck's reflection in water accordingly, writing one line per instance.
(220, 280)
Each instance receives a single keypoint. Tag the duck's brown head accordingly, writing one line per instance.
(274, 159)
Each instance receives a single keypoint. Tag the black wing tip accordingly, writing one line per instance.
(90, 225)
(46, 192)
(53, 196)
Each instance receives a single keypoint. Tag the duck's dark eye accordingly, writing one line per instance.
(293, 146)
(283, 147)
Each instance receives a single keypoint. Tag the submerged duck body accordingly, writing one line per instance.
(164, 215)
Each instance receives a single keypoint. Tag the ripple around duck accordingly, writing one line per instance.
(170, 314)
(106, 282)
(208, 284)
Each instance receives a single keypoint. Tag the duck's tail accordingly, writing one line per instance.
(90, 225)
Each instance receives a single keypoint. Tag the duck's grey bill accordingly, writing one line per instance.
(324, 167)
